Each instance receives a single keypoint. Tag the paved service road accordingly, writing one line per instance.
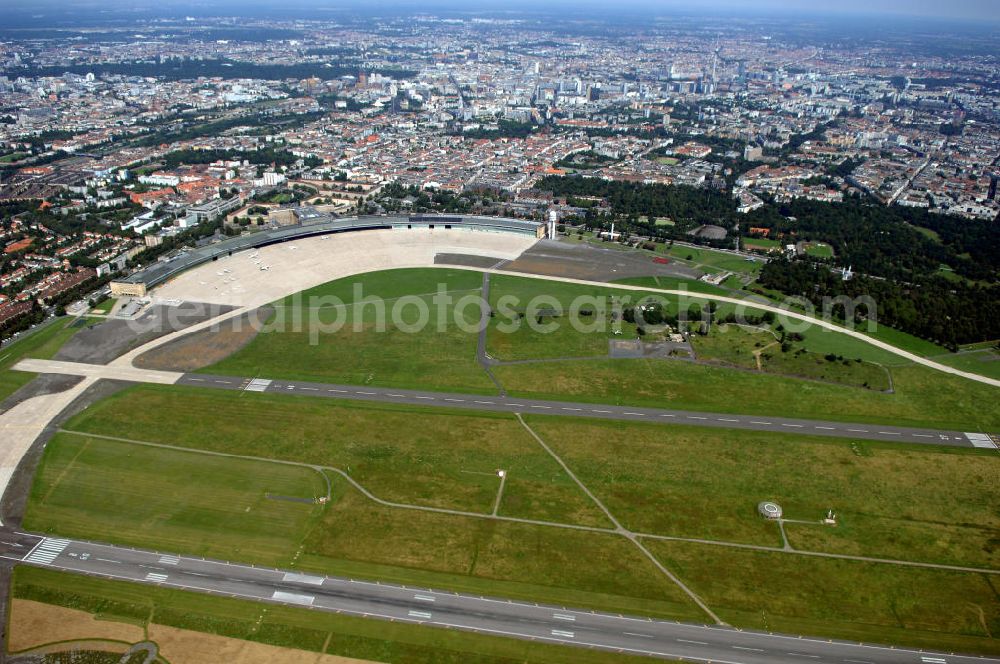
(449, 610)
(630, 413)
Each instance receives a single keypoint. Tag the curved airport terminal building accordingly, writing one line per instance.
(139, 283)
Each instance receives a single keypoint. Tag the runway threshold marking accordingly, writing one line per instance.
(294, 577)
(423, 615)
(563, 633)
(424, 598)
(981, 440)
(46, 551)
(564, 616)
(257, 385)
(934, 660)
(169, 560)
(156, 577)
(293, 598)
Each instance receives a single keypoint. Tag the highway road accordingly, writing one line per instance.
(571, 409)
(556, 624)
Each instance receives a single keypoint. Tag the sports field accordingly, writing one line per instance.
(819, 250)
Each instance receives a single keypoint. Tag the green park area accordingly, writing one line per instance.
(983, 361)
(447, 465)
(12, 157)
(41, 343)
(414, 491)
(350, 348)
(697, 482)
(818, 366)
(105, 306)
(763, 348)
(921, 396)
(710, 260)
(856, 601)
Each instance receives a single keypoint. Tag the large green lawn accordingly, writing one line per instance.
(741, 346)
(923, 397)
(669, 480)
(170, 500)
(675, 283)
(360, 351)
(942, 610)
(429, 457)
(719, 260)
(696, 482)
(302, 629)
(445, 360)
(984, 362)
(42, 343)
(215, 506)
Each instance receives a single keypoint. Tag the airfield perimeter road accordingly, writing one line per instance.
(520, 405)
(616, 633)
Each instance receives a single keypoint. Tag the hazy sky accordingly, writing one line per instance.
(959, 9)
(977, 10)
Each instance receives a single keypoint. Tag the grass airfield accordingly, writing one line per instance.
(415, 497)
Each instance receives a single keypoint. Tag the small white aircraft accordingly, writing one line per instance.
(265, 268)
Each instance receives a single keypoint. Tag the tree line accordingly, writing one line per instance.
(934, 309)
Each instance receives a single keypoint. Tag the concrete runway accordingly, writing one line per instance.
(486, 615)
(607, 412)
(519, 405)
